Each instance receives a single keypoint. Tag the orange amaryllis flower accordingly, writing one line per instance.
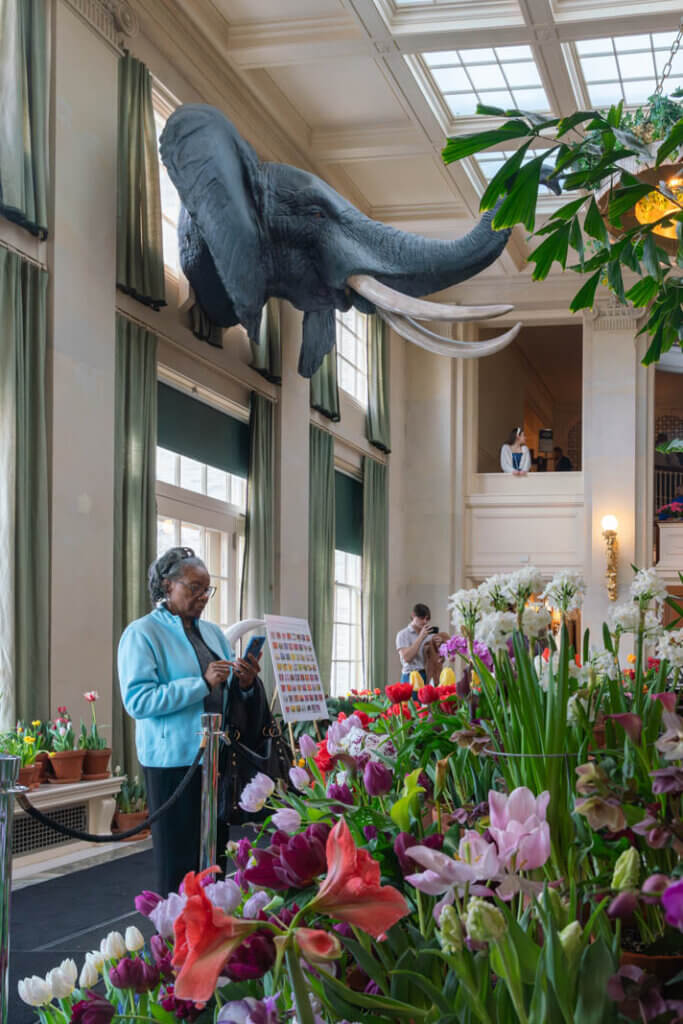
(317, 945)
(204, 939)
(352, 891)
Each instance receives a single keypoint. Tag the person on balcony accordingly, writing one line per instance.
(515, 457)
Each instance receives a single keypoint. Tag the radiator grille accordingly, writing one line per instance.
(30, 835)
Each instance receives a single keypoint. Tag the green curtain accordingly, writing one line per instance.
(135, 434)
(375, 567)
(139, 248)
(266, 357)
(324, 388)
(256, 599)
(24, 102)
(377, 421)
(321, 533)
(24, 501)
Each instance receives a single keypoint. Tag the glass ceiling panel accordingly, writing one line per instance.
(623, 67)
(492, 161)
(502, 76)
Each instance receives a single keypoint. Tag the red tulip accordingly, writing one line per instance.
(204, 939)
(428, 694)
(399, 692)
(323, 758)
(352, 890)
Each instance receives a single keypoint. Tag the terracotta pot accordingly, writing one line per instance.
(97, 763)
(43, 762)
(123, 822)
(663, 967)
(29, 776)
(67, 765)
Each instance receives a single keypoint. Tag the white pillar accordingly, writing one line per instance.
(82, 300)
(616, 414)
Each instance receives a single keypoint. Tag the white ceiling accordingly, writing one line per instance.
(346, 84)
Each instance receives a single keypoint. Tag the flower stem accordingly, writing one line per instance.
(304, 1010)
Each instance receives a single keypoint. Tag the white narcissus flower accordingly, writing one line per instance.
(494, 629)
(466, 607)
(625, 618)
(648, 586)
(113, 946)
(566, 590)
(493, 593)
(670, 647)
(535, 622)
(520, 585)
(603, 664)
(134, 939)
(35, 991)
(89, 975)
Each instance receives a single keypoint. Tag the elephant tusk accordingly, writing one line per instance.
(432, 342)
(234, 632)
(388, 298)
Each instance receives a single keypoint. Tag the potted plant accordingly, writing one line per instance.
(43, 745)
(22, 744)
(131, 806)
(97, 753)
(66, 761)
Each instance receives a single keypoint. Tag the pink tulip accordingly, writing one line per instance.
(476, 860)
(91, 696)
(519, 828)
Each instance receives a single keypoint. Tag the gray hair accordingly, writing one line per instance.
(170, 566)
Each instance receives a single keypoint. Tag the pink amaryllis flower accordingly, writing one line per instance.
(317, 945)
(519, 828)
(352, 890)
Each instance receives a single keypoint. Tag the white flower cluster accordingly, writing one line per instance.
(604, 664)
(466, 608)
(536, 622)
(520, 585)
(494, 593)
(647, 586)
(625, 618)
(578, 673)
(670, 646)
(566, 590)
(494, 628)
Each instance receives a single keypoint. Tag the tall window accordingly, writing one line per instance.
(352, 354)
(347, 642)
(170, 200)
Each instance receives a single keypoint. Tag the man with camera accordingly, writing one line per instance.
(411, 640)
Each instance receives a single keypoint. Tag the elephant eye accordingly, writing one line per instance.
(315, 211)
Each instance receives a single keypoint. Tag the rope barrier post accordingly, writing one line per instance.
(9, 773)
(211, 727)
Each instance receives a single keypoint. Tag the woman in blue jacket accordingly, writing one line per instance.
(172, 669)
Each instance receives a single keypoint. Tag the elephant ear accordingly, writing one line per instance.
(216, 174)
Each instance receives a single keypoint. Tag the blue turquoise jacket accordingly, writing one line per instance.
(161, 686)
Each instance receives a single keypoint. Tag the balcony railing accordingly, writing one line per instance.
(668, 484)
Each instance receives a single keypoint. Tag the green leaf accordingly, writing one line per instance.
(672, 142)
(594, 225)
(624, 199)
(585, 297)
(520, 205)
(162, 1015)
(576, 239)
(499, 182)
(650, 258)
(596, 967)
(567, 123)
(465, 145)
(614, 115)
(567, 211)
(615, 280)
(553, 249)
(643, 292)
(430, 990)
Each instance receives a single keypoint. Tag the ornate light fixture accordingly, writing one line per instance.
(610, 526)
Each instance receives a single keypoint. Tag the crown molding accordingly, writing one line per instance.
(610, 315)
(296, 41)
(114, 20)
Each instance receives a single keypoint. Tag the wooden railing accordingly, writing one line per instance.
(668, 484)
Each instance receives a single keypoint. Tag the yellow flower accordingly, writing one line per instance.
(36, 723)
(29, 739)
(631, 659)
(302, 762)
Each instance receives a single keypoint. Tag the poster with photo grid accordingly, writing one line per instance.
(300, 690)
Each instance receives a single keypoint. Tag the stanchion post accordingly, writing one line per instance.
(9, 773)
(211, 727)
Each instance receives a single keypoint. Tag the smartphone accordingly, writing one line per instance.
(433, 629)
(255, 646)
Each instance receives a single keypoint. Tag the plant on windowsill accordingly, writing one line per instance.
(66, 761)
(625, 218)
(97, 753)
(131, 805)
(22, 744)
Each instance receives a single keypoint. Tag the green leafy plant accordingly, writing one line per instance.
(90, 738)
(132, 797)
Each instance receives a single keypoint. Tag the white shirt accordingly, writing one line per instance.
(406, 638)
(506, 463)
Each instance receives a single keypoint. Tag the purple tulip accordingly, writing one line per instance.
(377, 778)
(370, 832)
(146, 901)
(308, 746)
(252, 959)
(672, 901)
(162, 957)
(242, 853)
(343, 929)
(94, 1009)
(127, 973)
(301, 860)
(342, 793)
(623, 905)
(183, 1009)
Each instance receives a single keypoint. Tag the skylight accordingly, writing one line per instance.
(500, 76)
(627, 67)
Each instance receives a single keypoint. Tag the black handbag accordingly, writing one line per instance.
(253, 743)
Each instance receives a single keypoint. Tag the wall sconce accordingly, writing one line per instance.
(609, 531)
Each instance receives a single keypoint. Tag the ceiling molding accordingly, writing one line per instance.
(369, 142)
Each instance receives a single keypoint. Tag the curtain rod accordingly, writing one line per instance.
(206, 362)
(23, 255)
(353, 445)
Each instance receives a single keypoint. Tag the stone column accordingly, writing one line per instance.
(616, 414)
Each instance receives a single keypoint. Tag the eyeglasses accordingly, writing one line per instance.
(197, 590)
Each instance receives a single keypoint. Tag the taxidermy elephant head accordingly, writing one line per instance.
(250, 230)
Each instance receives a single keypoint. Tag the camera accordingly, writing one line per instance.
(433, 629)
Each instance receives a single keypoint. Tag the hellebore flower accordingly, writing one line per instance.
(62, 979)
(316, 945)
(636, 993)
(399, 692)
(377, 778)
(601, 813)
(252, 959)
(35, 991)
(672, 901)
(165, 913)
(205, 938)
(591, 776)
(94, 1009)
(484, 922)
(670, 743)
(667, 780)
(287, 819)
(626, 872)
(146, 901)
(519, 828)
(630, 723)
(299, 777)
(256, 792)
(352, 891)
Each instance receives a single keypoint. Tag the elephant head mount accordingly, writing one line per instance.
(250, 230)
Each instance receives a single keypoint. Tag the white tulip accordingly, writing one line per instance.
(62, 980)
(96, 959)
(135, 940)
(113, 946)
(35, 991)
(89, 975)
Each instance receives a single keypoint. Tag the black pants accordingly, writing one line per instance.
(176, 835)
